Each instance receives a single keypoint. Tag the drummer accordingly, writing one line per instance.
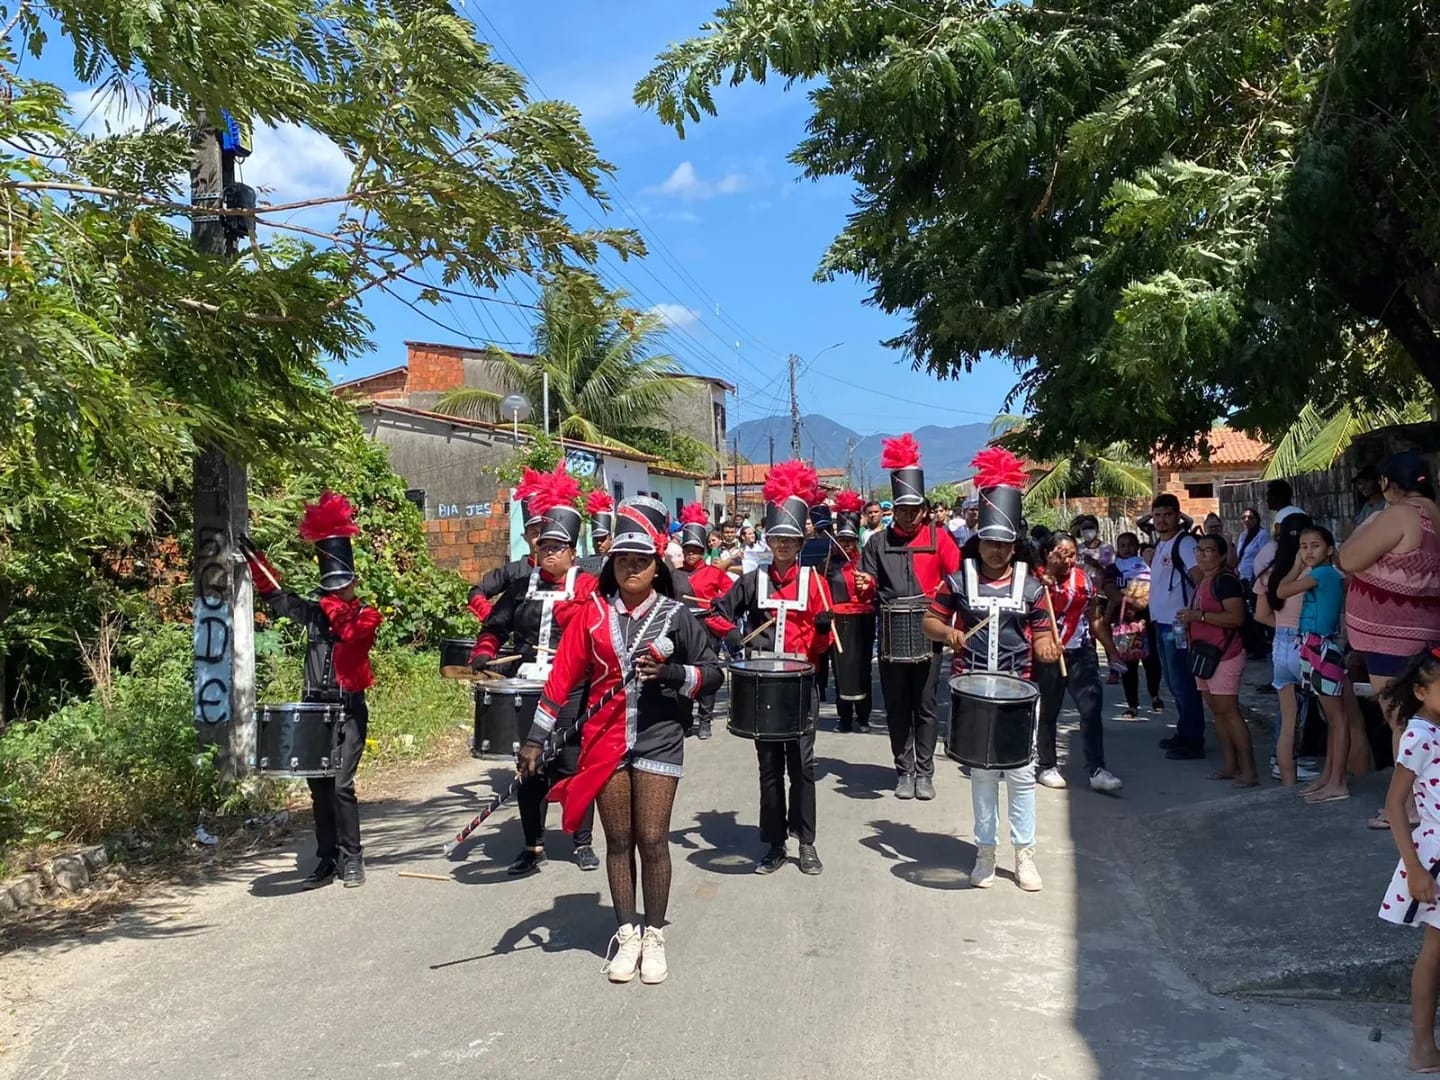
(339, 633)
(996, 585)
(496, 581)
(601, 509)
(703, 584)
(795, 600)
(531, 613)
(908, 560)
(853, 592)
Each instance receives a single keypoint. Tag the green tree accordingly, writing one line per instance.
(607, 384)
(1163, 213)
(1114, 471)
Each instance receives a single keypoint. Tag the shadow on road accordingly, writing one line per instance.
(719, 843)
(576, 921)
(857, 779)
(930, 860)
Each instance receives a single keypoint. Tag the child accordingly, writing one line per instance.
(1321, 661)
(1410, 898)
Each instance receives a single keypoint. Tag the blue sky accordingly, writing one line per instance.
(727, 219)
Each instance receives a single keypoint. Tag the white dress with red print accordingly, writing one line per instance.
(1420, 753)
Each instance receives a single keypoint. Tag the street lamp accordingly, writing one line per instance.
(517, 408)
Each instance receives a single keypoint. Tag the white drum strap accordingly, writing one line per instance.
(782, 608)
(992, 606)
(548, 599)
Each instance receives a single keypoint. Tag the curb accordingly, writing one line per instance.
(62, 874)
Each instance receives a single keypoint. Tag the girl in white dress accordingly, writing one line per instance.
(1411, 898)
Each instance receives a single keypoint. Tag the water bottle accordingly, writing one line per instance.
(1181, 637)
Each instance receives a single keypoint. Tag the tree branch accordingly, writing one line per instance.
(188, 208)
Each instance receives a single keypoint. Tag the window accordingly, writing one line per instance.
(679, 506)
(417, 497)
(618, 492)
(1200, 491)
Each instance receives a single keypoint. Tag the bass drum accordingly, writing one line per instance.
(504, 711)
(992, 721)
(852, 666)
(455, 658)
(297, 740)
(771, 699)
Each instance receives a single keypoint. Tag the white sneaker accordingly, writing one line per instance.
(1026, 876)
(626, 944)
(1051, 778)
(1106, 781)
(983, 876)
(652, 959)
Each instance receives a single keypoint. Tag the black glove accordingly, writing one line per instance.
(823, 622)
(734, 640)
(480, 663)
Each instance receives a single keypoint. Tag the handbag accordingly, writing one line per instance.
(1322, 664)
(1131, 642)
(1205, 657)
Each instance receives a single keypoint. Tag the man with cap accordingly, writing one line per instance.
(853, 594)
(531, 614)
(908, 561)
(339, 631)
(706, 584)
(795, 599)
(601, 509)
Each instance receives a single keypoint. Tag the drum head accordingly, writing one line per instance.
(990, 687)
(514, 686)
(301, 708)
(772, 665)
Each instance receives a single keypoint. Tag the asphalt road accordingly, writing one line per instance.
(886, 966)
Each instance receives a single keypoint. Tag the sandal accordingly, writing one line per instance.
(1380, 823)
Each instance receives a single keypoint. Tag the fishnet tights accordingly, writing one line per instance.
(635, 813)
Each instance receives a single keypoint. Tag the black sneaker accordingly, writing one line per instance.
(924, 788)
(905, 787)
(322, 875)
(1169, 743)
(845, 727)
(773, 860)
(809, 861)
(528, 862)
(354, 872)
(1182, 752)
(704, 732)
(586, 859)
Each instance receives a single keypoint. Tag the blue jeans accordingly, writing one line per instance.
(985, 802)
(1190, 727)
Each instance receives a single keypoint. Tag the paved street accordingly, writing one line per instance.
(885, 966)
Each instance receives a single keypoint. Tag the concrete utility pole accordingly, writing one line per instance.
(794, 409)
(772, 451)
(224, 604)
(850, 462)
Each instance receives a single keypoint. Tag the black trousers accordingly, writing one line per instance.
(853, 711)
(822, 676)
(534, 807)
(705, 706)
(337, 813)
(909, 691)
(1088, 695)
(777, 818)
(1131, 678)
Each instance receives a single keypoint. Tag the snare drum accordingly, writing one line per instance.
(771, 699)
(992, 721)
(504, 711)
(902, 641)
(297, 739)
(455, 658)
(851, 662)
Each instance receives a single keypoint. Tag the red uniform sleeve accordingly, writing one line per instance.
(945, 604)
(949, 555)
(351, 620)
(480, 606)
(572, 662)
(266, 577)
(586, 586)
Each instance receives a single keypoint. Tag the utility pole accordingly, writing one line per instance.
(224, 634)
(735, 475)
(850, 462)
(772, 451)
(794, 408)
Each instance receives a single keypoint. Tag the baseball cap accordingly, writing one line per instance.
(885, 504)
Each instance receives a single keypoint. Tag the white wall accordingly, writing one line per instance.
(632, 474)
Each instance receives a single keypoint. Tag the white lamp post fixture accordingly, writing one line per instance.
(517, 408)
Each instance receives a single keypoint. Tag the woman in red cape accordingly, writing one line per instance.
(639, 650)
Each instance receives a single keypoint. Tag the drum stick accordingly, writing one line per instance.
(757, 632)
(506, 659)
(825, 596)
(968, 634)
(1055, 629)
(424, 877)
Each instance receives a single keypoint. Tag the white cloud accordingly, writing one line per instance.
(685, 183)
(675, 316)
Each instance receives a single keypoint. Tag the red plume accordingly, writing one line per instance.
(331, 516)
(554, 489)
(901, 453)
(997, 467)
(530, 482)
(792, 479)
(599, 502)
(849, 502)
(694, 514)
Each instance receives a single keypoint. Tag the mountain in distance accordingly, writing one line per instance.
(945, 452)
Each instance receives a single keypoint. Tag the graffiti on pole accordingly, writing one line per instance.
(214, 628)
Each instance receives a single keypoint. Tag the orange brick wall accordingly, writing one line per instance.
(1219, 475)
(435, 370)
(471, 546)
(387, 387)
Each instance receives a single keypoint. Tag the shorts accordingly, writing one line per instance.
(1386, 666)
(1226, 680)
(1285, 659)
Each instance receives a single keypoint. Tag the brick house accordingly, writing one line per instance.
(1197, 481)
(743, 491)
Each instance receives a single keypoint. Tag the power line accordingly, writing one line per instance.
(908, 401)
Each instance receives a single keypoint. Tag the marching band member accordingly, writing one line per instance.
(795, 599)
(707, 584)
(532, 613)
(632, 744)
(996, 585)
(497, 580)
(853, 593)
(340, 631)
(601, 510)
(908, 560)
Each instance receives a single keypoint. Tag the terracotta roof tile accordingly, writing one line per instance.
(1227, 447)
(755, 475)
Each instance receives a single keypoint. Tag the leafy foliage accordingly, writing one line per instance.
(1164, 213)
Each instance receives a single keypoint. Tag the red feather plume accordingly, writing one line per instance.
(792, 479)
(849, 502)
(553, 489)
(331, 516)
(599, 502)
(997, 467)
(529, 484)
(694, 514)
(901, 453)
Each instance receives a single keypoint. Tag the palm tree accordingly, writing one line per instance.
(1112, 471)
(607, 387)
(1317, 439)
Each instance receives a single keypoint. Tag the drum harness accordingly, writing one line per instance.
(994, 605)
(782, 608)
(539, 668)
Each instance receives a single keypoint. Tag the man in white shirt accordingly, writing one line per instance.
(967, 516)
(1173, 578)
